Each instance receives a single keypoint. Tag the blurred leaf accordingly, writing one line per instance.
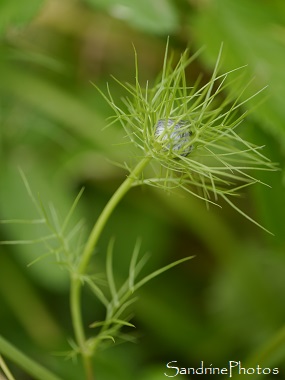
(117, 363)
(39, 325)
(17, 13)
(254, 34)
(158, 16)
(272, 352)
(60, 105)
(154, 372)
(246, 297)
(270, 202)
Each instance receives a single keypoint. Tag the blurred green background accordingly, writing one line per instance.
(225, 304)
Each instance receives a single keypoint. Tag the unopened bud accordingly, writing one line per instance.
(174, 136)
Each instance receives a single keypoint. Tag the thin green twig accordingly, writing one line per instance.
(76, 280)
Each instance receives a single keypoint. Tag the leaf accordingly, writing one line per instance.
(158, 17)
(113, 321)
(17, 13)
(106, 337)
(57, 104)
(110, 274)
(254, 34)
(160, 271)
(97, 291)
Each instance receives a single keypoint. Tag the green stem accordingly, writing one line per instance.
(268, 355)
(30, 366)
(76, 280)
(109, 208)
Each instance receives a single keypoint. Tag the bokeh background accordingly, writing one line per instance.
(225, 304)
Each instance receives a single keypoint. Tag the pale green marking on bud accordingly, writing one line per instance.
(173, 136)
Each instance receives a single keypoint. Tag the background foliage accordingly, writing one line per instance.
(227, 303)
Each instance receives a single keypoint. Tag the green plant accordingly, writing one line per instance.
(213, 160)
(184, 137)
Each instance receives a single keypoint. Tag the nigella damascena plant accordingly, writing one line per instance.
(187, 134)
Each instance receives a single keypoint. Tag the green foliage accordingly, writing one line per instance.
(224, 305)
(15, 14)
(157, 17)
(254, 36)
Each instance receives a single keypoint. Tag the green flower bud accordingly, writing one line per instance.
(174, 136)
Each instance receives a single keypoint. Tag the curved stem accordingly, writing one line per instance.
(31, 367)
(76, 280)
(109, 208)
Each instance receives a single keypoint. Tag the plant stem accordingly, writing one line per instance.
(270, 354)
(76, 280)
(109, 208)
(30, 366)
(271, 348)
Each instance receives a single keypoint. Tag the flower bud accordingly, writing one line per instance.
(174, 136)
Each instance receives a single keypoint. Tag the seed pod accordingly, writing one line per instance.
(174, 136)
